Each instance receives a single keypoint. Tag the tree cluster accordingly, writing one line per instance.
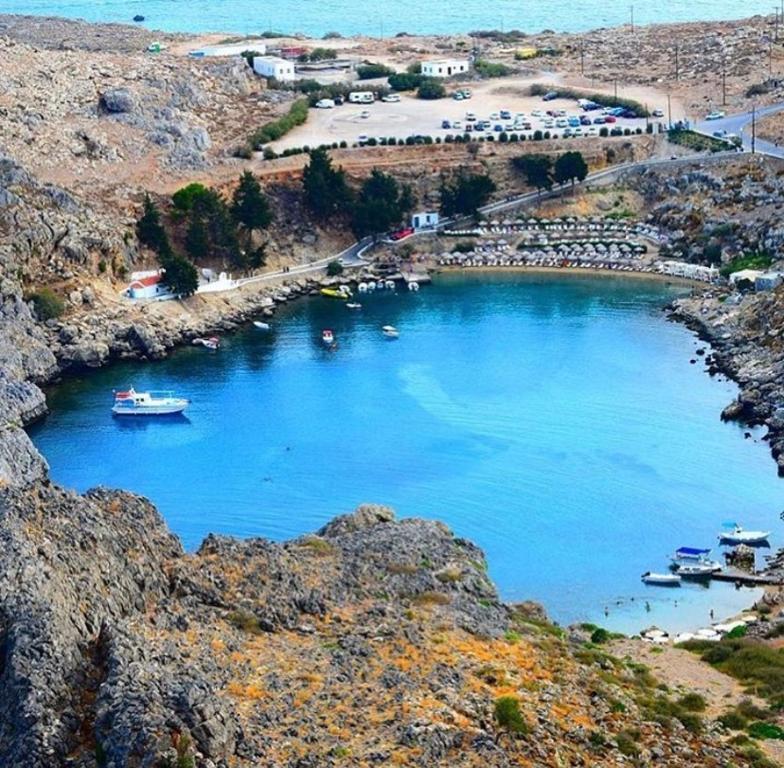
(380, 204)
(465, 194)
(213, 228)
(541, 172)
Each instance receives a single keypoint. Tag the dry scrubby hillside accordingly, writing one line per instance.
(374, 642)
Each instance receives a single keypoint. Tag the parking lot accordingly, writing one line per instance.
(411, 116)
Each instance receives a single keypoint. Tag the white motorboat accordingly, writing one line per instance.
(740, 536)
(353, 305)
(413, 286)
(661, 579)
(697, 570)
(261, 326)
(390, 331)
(133, 403)
(362, 287)
(389, 285)
(327, 337)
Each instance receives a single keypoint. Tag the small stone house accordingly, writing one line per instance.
(444, 67)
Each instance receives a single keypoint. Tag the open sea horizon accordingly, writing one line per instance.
(353, 17)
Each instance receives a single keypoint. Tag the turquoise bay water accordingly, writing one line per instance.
(350, 17)
(556, 421)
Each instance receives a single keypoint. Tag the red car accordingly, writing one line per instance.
(610, 119)
(402, 234)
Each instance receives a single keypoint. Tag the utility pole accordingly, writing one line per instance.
(753, 129)
(776, 25)
(632, 18)
(723, 82)
(615, 85)
(669, 111)
(582, 57)
(677, 60)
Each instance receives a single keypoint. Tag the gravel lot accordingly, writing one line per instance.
(412, 116)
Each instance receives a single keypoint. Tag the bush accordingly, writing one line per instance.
(627, 745)
(46, 304)
(692, 702)
(431, 89)
(604, 99)
(733, 720)
(509, 717)
(297, 115)
(599, 636)
(370, 71)
(760, 730)
(405, 81)
(491, 68)
(753, 260)
(334, 268)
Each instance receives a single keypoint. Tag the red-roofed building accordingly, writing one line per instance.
(146, 287)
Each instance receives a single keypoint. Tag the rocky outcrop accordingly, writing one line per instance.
(378, 638)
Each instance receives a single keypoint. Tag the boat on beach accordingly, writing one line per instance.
(661, 579)
(738, 535)
(390, 331)
(133, 403)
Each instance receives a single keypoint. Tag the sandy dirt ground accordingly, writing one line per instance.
(413, 116)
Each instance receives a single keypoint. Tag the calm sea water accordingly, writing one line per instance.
(555, 421)
(351, 17)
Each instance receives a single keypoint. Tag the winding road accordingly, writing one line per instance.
(740, 125)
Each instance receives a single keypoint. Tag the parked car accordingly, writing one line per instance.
(716, 114)
(629, 114)
(458, 96)
(658, 113)
(362, 139)
(592, 131)
(536, 113)
(325, 104)
(561, 122)
(391, 98)
(446, 124)
(470, 117)
(599, 120)
(364, 114)
(401, 234)
(506, 114)
(610, 119)
(469, 127)
(457, 125)
(574, 122)
(509, 127)
(567, 133)
(578, 131)
(550, 96)
(498, 127)
(585, 120)
(495, 116)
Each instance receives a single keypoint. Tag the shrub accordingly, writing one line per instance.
(692, 702)
(599, 636)
(760, 730)
(509, 717)
(297, 114)
(733, 720)
(627, 745)
(334, 268)
(47, 304)
(491, 68)
(539, 89)
(370, 71)
(405, 81)
(431, 89)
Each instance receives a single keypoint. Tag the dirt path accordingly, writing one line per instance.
(683, 672)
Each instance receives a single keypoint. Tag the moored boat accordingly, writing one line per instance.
(390, 331)
(354, 305)
(697, 570)
(661, 579)
(133, 403)
(211, 342)
(261, 325)
(690, 561)
(740, 536)
(328, 337)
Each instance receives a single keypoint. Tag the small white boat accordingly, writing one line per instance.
(261, 326)
(362, 287)
(661, 579)
(371, 286)
(739, 536)
(390, 285)
(413, 286)
(133, 403)
(353, 305)
(211, 342)
(390, 331)
(327, 337)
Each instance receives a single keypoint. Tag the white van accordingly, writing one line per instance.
(361, 97)
(325, 104)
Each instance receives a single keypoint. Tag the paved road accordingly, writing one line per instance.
(740, 125)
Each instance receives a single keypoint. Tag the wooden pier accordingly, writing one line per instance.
(743, 577)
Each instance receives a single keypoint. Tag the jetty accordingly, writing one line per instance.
(409, 277)
(745, 578)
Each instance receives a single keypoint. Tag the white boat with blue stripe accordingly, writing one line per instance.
(133, 403)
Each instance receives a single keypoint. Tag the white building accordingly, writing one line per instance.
(234, 49)
(147, 287)
(749, 275)
(444, 67)
(425, 220)
(272, 66)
